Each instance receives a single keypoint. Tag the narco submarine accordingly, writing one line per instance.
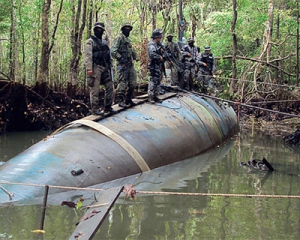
(97, 150)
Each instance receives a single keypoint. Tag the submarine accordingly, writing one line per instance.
(96, 150)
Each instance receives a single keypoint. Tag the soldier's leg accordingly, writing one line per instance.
(193, 77)
(153, 89)
(121, 88)
(131, 86)
(94, 91)
(174, 75)
(186, 74)
(109, 89)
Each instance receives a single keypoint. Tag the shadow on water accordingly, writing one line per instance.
(189, 217)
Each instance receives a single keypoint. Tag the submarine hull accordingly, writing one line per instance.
(138, 139)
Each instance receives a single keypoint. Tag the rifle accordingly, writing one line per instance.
(169, 56)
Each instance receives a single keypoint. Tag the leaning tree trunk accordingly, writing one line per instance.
(76, 38)
(269, 31)
(234, 50)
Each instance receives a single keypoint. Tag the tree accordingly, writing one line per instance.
(76, 39)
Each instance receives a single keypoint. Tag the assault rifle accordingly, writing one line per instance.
(169, 56)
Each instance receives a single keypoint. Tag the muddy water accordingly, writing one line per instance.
(186, 217)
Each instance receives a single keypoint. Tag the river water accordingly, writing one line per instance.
(183, 217)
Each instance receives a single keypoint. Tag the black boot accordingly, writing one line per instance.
(130, 102)
(122, 103)
(156, 99)
(151, 100)
(97, 112)
(109, 110)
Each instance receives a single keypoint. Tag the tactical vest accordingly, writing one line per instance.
(125, 50)
(159, 52)
(192, 50)
(101, 52)
(208, 59)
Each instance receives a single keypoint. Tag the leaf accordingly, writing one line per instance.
(79, 203)
(69, 204)
(129, 191)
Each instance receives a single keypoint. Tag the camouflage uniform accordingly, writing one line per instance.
(155, 67)
(205, 73)
(123, 52)
(189, 64)
(101, 73)
(173, 49)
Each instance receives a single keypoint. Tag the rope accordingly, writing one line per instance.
(217, 194)
(246, 105)
(251, 81)
(50, 186)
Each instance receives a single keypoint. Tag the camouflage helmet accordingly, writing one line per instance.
(170, 35)
(126, 24)
(207, 48)
(191, 40)
(99, 25)
(157, 33)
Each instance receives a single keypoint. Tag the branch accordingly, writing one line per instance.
(7, 77)
(56, 25)
(257, 61)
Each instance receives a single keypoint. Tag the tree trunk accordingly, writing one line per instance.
(44, 62)
(234, 50)
(297, 63)
(269, 31)
(14, 65)
(153, 7)
(76, 38)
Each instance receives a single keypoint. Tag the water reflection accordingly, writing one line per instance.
(15, 142)
(186, 217)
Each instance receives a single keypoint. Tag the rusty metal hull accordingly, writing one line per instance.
(179, 128)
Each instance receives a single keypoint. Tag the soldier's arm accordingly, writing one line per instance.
(178, 51)
(184, 52)
(153, 55)
(88, 55)
(199, 60)
(115, 49)
(134, 55)
(214, 66)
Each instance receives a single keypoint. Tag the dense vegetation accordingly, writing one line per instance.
(266, 34)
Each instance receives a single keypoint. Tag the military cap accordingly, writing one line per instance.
(191, 40)
(157, 33)
(126, 24)
(207, 48)
(99, 25)
(170, 35)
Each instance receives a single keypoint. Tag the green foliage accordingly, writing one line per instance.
(5, 10)
(214, 30)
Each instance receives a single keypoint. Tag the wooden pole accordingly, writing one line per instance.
(44, 207)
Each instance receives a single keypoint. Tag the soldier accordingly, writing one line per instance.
(189, 55)
(122, 51)
(97, 62)
(155, 53)
(174, 55)
(207, 68)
